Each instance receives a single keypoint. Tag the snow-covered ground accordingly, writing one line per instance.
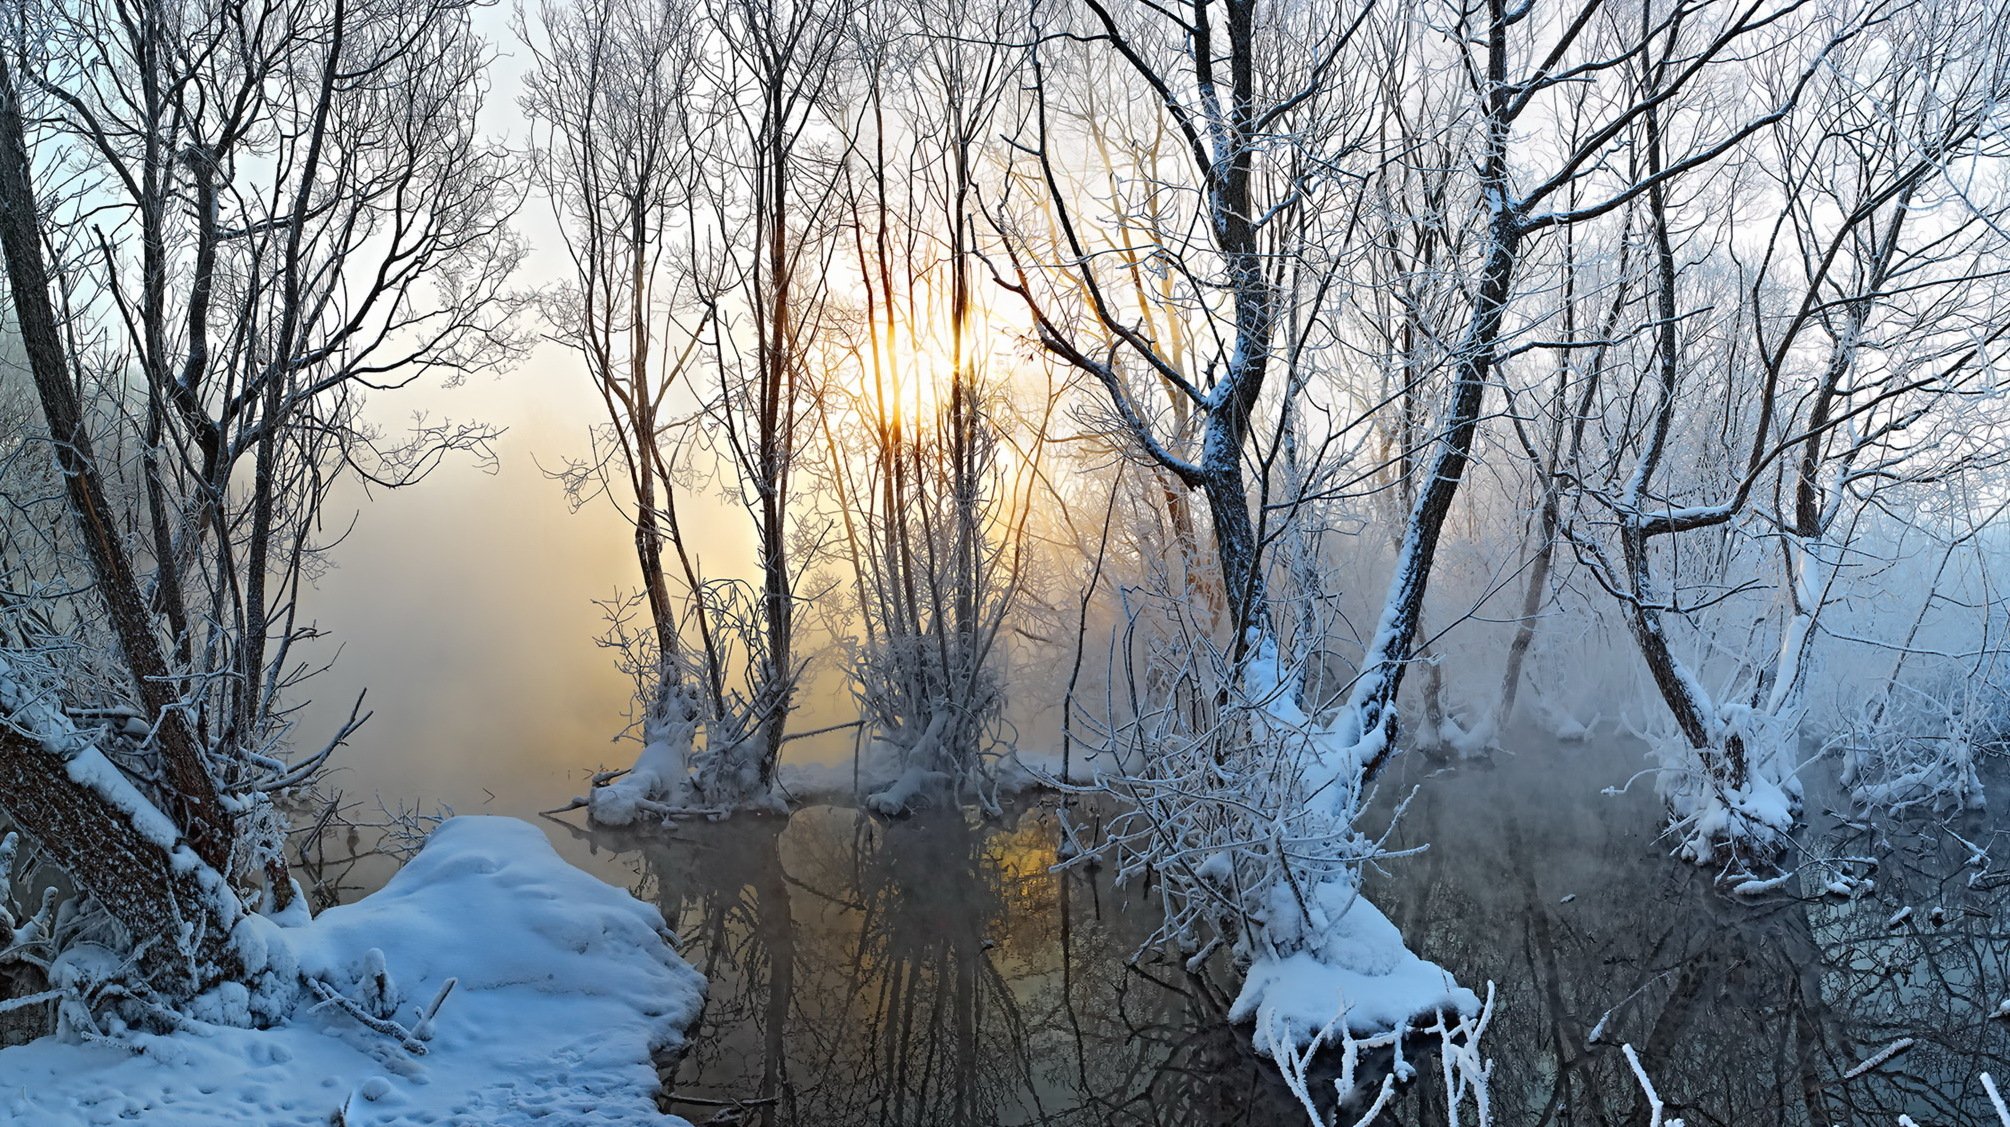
(564, 988)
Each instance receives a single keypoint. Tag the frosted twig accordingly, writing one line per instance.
(26, 1000)
(1757, 886)
(1295, 1066)
(423, 1029)
(1884, 1054)
(333, 997)
(1464, 1071)
(1382, 1098)
(1654, 1107)
(1996, 1099)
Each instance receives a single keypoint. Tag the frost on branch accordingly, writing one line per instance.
(1918, 745)
(1248, 824)
(158, 934)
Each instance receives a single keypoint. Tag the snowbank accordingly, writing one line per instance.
(566, 986)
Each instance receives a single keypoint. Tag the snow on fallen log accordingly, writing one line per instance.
(112, 841)
(1758, 887)
(562, 988)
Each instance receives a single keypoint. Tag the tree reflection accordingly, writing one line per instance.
(1745, 1011)
(934, 971)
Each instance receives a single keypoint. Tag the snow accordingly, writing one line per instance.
(904, 793)
(565, 987)
(1356, 967)
(1995, 1099)
(1879, 1058)
(1759, 887)
(1334, 962)
(1745, 822)
(1468, 743)
(660, 777)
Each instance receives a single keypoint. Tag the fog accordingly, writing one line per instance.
(1213, 563)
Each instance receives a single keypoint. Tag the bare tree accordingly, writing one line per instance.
(1238, 243)
(223, 225)
(612, 99)
(1211, 768)
(694, 160)
(933, 520)
(1863, 324)
(772, 197)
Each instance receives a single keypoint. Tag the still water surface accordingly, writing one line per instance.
(935, 971)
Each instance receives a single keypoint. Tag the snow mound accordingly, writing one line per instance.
(1356, 976)
(566, 986)
(660, 779)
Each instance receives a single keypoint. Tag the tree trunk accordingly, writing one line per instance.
(91, 832)
(192, 790)
(1531, 604)
(1236, 549)
(1374, 696)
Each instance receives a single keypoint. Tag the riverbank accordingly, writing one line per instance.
(487, 983)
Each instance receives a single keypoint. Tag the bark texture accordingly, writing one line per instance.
(197, 805)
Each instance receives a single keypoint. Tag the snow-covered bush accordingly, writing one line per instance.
(1734, 824)
(1918, 746)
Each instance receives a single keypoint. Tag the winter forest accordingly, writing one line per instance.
(961, 562)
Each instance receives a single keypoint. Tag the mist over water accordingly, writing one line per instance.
(468, 607)
(465, 608)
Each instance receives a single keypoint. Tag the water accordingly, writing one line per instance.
(935, 971)
(1747, 1012)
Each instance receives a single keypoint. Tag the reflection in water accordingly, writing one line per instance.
(934, 972)
(1744, 1011)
